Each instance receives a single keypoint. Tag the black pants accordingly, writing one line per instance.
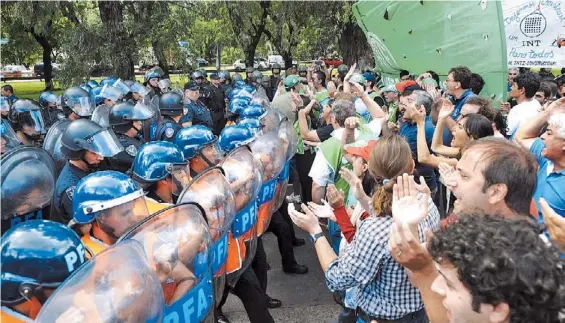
(249, 290)
(219, 122)
(282, 230)
(259, 265)
(303, 165)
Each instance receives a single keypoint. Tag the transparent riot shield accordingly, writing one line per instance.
(52, 143)
(271, 120)
(245, 178)
(118, 285)
(28, 184)
(150, 125)
(289, 143)
(211, 190)
(9, 138)
(269, 151)
(178, 244)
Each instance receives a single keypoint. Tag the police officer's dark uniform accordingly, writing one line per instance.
(80, 136)
(196, 112)
(171, 107)
(274, 81)
(122, 117)
(217, 106)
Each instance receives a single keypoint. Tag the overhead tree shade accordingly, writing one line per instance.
(436, 35)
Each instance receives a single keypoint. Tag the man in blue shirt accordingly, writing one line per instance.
(550, 153)
(195, 112)
(8, 92)
(458, 83)
(410, 101)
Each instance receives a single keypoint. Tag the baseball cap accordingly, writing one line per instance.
(369, 77)
(192, 86)
(291, 81)
(361, 148)
(389, 88)
(407, 85)
(357, 78)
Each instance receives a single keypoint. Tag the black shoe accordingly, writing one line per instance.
(298, 242)
(273, 303)
(222, 318)
(296, 269)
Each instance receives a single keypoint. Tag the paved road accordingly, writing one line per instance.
(305, 298)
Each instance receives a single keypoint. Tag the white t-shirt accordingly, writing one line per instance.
(521, 114)
(321, 172)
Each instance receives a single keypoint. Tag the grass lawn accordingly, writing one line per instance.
(32, 89)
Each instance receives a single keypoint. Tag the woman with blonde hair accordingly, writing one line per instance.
(383, 291)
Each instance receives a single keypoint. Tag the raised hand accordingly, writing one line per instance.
(448, 174)
(335, 197)
(407, 206)
(322, 211)
(354, 182)
(446, 109)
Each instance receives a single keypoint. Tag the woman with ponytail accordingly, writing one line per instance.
(383, 291)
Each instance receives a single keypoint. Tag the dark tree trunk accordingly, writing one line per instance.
(354, 46)
(287, 57)
(47, 65)
(120, 46)
(160, 55)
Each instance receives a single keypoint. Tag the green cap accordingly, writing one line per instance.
(357, 78)
(291, 81)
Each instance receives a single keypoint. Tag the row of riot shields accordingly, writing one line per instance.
(174, 264)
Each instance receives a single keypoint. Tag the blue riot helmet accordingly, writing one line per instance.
(158, 160)
(36, 256)
(235, 136)
(252, 124)
(237, 105)
(256, 76)
(95, 95)
(224, 75)
(9, 138)
(171, 104)
(85, 135)
(85, 87)
(199, 146)
(92, 83)
(253, 111)
(4, 105)
(129, 82)
(26, 114)
(108, 81)
(236, 77)
(151, 74)
(111, 198)
(49, 99)
(123, 115)
(76, 100)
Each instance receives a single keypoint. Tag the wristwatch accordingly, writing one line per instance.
(314, 237)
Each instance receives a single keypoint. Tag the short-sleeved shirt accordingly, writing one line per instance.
(321, 172)
(521, 114)
(550, 183)
(409, 131)
(325, 132)
(197, 113)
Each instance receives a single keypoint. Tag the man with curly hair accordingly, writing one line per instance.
(493, 269)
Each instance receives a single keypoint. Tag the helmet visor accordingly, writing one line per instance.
(120, 85)
(212, 153)
(118, 219)
(83, 107)
(180, 175)
(104, 143)
(35, 121)
(164, 84)
(140, 89)
(111, 93)
(141, 112)
(53, 98)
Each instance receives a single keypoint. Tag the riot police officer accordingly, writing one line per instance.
(199, 78)
(257, 83)
(8, 139)
(274, 81)
(160, 169)
(302, 71)
(236, 77)
(36, 257)
(113, 200)
(138, 92)
(85, 144)
(92, 83)
(217, 104)
(248, 73)
(110, 97)
(126, 120)
(200, 148)
(30, 128)
(195, 112)
(171, 108)
(49, 101)
(225, 81)
(151, 81)
(77, 103)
